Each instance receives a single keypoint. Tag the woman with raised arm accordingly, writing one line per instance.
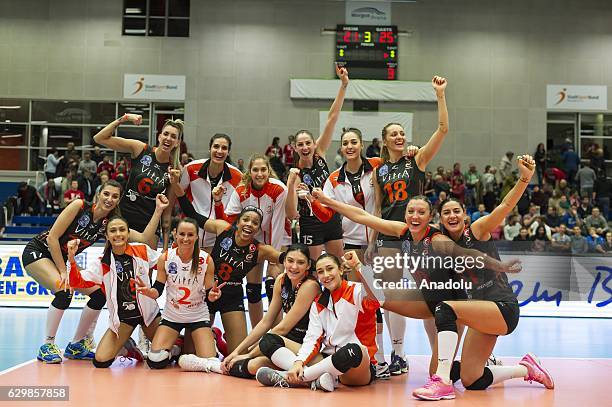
(44, 259)
(313, 172)
(260, 188)
(235, 252)
(492, 309)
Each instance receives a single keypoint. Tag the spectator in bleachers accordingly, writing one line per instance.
(540, 239)
(539, 198)
(512, 228)
(579, 243)
(73, 193)
(442, 196)
(537, 223)
(87, 163)
(563, 188)
(458, 189)
(428, 189)
(597, 221)
(522, 241)
(489, 189)
(601, 194)
(185, 159)
(49, 194)
(571, 218)
(571, 161)
(472, 186)
(53, 160)
(87, 184)
(440, 184)
(597, 162)
(101, 179)
(274, 152)
(288, 152)
(97, 155)
(608, 243)
(540, 159)
(564, 205)
(456, 172)
(373, 149)
(29, 200)
(122, 167)
(554, 200)
(585, 207)
(505, 166)
(479, 213)
(585, 177)
(560, 241)
(523, 204)
(240, 165)
(106, 165)
(553, 220)
(596, 242)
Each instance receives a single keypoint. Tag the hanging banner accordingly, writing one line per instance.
(368, 12)
(154, 87)
(576, 98)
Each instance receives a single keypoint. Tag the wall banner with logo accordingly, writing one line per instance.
(368, 12)
(576, 98)
(154, 87)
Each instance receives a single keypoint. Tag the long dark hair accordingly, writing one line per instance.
(229, 144)
(116, 212)
(107, 246)
(296, 156)
(304, 251)
(195, 257)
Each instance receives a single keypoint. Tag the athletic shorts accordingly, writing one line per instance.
(179, 326)
(134, 322)
(34, 251)
(315, 233)
(511, 312)
(348, 246)
(232, 299)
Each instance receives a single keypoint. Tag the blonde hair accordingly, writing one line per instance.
(175, 155)
(246, 177)
(384, 151)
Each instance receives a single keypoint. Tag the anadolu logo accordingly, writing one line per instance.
(139, 85)
(368, 12)
(562, 95)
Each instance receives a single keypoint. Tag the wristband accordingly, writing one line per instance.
(526, 180)
(159, 286)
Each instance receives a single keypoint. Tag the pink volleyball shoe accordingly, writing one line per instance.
(435, 389)
(536, 372)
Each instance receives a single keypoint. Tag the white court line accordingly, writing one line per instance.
(10, 369)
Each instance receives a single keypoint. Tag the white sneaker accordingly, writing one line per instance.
(272, 378)
(382, 371)
(325, 382)
(144, 345)
(192, 363)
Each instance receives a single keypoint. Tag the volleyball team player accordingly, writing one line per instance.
(260, 188)
(44, 259)
(492, 309)
(313, 172)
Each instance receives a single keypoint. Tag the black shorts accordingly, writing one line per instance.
(348, 246)
(313, 232)
(34, 251)
(179, 326)
(389, 242)
(511, 312)
(232, 299)
(134, 322)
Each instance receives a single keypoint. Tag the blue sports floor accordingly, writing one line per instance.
(22, 331)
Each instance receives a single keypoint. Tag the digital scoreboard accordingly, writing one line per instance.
(368, 51)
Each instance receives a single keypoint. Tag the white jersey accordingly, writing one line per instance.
(185, 293)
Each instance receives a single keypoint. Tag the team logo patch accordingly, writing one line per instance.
(406, 246)
(118, 267)
(307, 179)
(83, 220)
(226, 243)
(172, 268)
(252, 247)
(146, 160)
(284, 294)
(384, 170)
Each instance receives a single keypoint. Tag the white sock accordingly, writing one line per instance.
(283, 358)
(214, 365)
(447, 341)
(503, 373)
(315, 371)
(54, 317)
(380, 353)
(92, 329)
(88, 317)
(397, 328)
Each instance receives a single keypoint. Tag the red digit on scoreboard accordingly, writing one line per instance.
(390, 73)
(347, 36)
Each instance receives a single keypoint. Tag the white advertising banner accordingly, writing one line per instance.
(370, 123)
(368, 12)
(154, 87)
(576, 98)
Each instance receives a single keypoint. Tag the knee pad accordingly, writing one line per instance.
(241, 369)
(103, 365)
(270, 343)
(97, 300)
(253, 293)
(158, 359)
(269, 283)
(62, 299)
(347, 357)
(446, 319)
(483, 382)
(379, 317)
(455, 373)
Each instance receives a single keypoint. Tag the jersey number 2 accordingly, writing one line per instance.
(186, 293)
(397, 192)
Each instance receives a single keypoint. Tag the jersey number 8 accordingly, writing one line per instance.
(397, 192)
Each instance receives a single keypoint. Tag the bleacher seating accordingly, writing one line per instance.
(24, 228)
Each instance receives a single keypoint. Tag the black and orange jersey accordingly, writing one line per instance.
(233, 262)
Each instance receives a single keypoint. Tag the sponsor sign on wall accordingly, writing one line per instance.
(154, 87)
(368, 12)
(576, 98)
